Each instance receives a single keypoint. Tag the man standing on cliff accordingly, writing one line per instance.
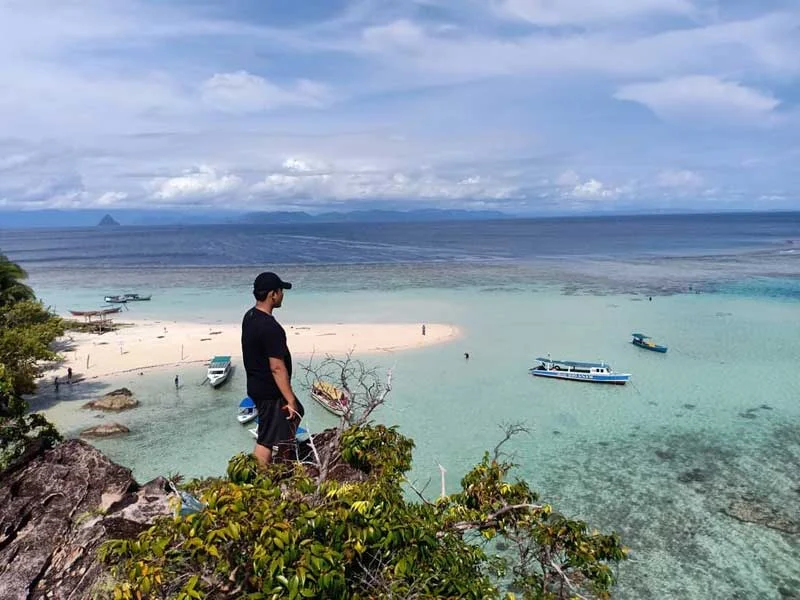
(268, 364)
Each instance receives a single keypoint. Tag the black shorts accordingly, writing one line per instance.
(273, 426)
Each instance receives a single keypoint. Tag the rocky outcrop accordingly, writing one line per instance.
(118, 400)
(56, 510)
(753, 510)
(105, 430)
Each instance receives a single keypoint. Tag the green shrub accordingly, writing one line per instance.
(281, 533)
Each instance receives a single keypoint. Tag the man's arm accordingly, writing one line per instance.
(281, 375)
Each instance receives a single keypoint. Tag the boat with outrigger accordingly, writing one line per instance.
(330, 397)
(578, 371)
(646, 342)
(125, 298)
(102, 312)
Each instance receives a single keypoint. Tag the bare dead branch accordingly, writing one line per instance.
(420, 493)
(509, 431)
(565, 578)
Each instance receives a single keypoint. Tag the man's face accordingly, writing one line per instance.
(277, 298)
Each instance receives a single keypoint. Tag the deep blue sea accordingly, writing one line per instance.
(665, 254)
(709, 430)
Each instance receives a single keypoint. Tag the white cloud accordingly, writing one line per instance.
(678, 178)
(243, 92)
(568, 178)
(700, 97)
(303, 165)
(111, 198)
(380, 185)
(14, 161)
(402, 34)
(767, 44)
(592, 189)
(202, 182)
(573, 186)
(588, 12)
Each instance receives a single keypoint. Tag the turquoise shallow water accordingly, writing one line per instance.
(715, 420)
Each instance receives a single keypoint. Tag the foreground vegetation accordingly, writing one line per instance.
(27, 330)
(341, 525)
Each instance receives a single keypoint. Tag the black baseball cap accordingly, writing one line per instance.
(267, 281)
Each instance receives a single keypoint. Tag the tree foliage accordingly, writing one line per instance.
(27, 329)
(12, 288)
(301, 530)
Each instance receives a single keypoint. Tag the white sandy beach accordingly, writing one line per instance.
(153, 344)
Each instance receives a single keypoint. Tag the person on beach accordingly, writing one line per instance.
(69, 375)
(268, 364)
(55, 382)
(177, 382)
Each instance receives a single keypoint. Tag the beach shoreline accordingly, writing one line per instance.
(155, 344)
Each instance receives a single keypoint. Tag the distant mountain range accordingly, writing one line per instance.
(92, 218)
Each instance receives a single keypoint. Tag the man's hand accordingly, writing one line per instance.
(291, 408)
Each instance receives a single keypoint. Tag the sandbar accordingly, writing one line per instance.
(156, 344)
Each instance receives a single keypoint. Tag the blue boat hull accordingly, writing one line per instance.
(616, 378)
(655, 348)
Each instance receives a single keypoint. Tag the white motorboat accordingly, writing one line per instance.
(218, 370)
(578, 371)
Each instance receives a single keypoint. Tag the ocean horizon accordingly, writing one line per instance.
(694, 462)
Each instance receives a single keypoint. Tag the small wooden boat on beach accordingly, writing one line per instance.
(578, 371)
(218, 370)
(247, 411)
(643, 341)
(330, 397)
(95, 313)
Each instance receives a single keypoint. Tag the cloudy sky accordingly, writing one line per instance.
(526, 106)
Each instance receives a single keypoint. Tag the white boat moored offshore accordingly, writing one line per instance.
(218, 370)
(578, 371)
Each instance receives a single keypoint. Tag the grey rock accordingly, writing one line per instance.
(57, 509)
(105, 430)
(121, 399)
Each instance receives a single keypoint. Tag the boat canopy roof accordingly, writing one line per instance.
(219, 361)
(641, 336)
(328, 389)
(572, 363)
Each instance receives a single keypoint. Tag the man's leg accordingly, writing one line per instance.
(263, 455)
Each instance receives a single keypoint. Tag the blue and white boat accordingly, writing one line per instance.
(578, 371)
(644, 341)
(247, 410)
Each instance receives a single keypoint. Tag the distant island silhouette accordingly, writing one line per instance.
(107, 221)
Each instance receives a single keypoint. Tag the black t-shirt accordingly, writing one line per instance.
(262, 338)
